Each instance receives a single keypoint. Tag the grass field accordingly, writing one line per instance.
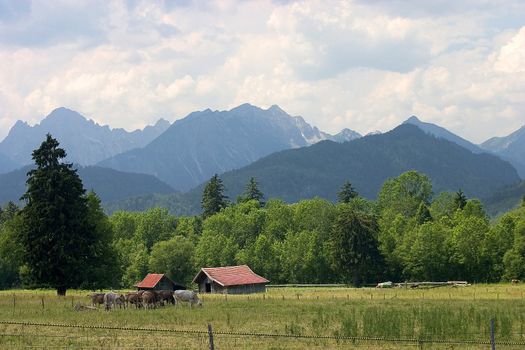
(450, 317)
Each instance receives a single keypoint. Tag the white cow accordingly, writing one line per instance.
(187, 296)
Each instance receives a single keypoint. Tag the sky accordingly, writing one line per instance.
(365, 65)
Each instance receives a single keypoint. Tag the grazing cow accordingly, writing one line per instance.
(111, 300)
(135, 298)
(515, 281)
(165, 296)
(97, 299)
(149, 299)
(187, 296)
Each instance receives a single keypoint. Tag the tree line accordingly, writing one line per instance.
(62, 239)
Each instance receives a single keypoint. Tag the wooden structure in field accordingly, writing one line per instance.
(230, 280)
(158, 281)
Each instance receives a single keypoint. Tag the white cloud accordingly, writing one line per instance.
(362, 65)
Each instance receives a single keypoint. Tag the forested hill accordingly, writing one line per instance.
(505, 199)
(321, 169)
(109, 184)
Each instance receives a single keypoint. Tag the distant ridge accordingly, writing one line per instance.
(443, 133)
(208, 142)
(511, 147)
(85, 141)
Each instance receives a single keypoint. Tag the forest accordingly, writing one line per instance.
(407, 234)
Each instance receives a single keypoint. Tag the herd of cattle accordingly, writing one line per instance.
(145, 299)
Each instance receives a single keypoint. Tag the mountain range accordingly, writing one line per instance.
(85, 141)
(321, 169)
(209, 142)
(291, 159)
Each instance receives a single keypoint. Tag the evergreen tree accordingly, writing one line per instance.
(355, 247)
(423, 214)
(213, 198)
(347, 193)
(460, 200)
(523, 201)
(56, 235)
(252, 192)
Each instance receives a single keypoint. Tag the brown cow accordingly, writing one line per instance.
(149, 299)
(135, 298)
(97, 299)
(165, 296)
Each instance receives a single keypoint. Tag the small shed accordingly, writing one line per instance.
(230, 280)
(158, 281)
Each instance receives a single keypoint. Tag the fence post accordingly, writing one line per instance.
(492, 338)
(210, 334)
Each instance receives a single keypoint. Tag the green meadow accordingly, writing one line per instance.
(365, 318)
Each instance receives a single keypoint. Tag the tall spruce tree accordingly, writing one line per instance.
(213, 198)
(56, 235)
(355, 247)
(347, 193)
(252, 192)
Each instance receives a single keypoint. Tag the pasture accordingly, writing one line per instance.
(367, 318)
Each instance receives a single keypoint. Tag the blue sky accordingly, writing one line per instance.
(365, 65)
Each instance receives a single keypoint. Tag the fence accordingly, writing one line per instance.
(110, 337)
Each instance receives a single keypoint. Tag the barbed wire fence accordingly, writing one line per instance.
(206, 337)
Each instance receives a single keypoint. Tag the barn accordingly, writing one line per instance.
(158, 281)
(230, 280)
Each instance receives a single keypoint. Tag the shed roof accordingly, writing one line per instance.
(150, 281)
(231, 275)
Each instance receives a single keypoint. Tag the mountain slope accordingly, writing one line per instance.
(6, 164)
(85, 141)
(321, 169)
(109, 184)
(511, 147)
(209, 142)
(505, 199)
(443, 133)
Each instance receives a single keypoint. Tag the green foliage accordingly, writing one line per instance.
(347, 193)
(460, 200)
(354, 246)
(213, 198)
(174, 258)
(423, 214)
(155, 225)
(11, 253)
(103, 269)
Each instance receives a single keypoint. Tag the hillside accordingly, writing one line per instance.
(511, 147)
(85, 141)
(109, 184)
(321, 169)
(504, 199)
(209, 142)
(6, 164)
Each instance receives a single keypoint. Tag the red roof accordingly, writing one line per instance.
(150, 281)
(232, 275)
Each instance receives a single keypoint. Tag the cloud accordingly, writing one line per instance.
(362, 65)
